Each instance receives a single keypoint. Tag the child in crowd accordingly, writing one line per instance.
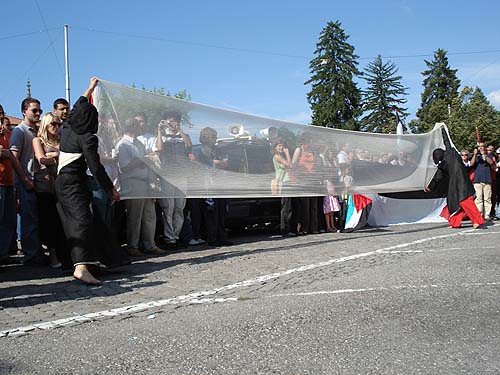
(331, 206)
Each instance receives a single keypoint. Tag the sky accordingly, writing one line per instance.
(249, 56)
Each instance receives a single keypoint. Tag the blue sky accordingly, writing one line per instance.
(248, 56)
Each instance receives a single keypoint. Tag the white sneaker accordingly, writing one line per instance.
(200, 241)
(193, 242)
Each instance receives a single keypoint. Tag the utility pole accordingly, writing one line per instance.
(66, 62)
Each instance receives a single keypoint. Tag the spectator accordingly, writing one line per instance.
(331, 206)
(108, 136)
(465, 158)
(303, 164)
(7, 195)
(481, 163)
(109, 217)
(175, 148)
(6, 122)
(213, 210)
(149, 139)
(141, 215)
(46, 148)
(345, 155)
(61, 109)
(282, 162)
(78, 151)
(491, 154)
(21, 146)
(497, 171)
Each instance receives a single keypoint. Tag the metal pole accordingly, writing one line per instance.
(66, 61)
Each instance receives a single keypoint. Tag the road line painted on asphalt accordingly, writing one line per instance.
(478, 232)
(434, 250)
(380, 289)
(187, 298)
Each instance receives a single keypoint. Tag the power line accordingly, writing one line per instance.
(34, 62)
(248, 50)
(197, 44)
(26, 34)
(263, 52)
(48, 35)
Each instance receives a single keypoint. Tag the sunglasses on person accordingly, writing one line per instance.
(36, 110)
(55, 123)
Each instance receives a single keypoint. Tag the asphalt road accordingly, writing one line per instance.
(416, 299)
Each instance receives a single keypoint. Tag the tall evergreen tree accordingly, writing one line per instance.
(384, 95)
(440, 88)
(334, 98)
(472, 110)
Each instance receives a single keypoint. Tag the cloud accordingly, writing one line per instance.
(494, 98)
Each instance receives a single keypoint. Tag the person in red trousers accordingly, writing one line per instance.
(453, 179)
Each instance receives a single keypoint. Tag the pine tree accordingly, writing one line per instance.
(334, 98)
(440, 88)
(472, 110)
(384, 95)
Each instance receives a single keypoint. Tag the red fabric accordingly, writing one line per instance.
(445, 213)
(360, 201)
(467, 208)
(6, 170)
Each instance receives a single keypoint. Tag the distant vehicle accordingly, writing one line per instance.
(250, 156)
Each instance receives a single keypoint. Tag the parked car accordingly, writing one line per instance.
(249, 156)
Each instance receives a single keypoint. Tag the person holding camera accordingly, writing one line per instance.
(175, 148)
(481, 163)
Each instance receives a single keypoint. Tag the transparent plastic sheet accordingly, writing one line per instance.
(376, 163)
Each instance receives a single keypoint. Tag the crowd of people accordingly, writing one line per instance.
(64, 179)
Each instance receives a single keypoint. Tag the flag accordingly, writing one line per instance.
(358, 209)
(400, 126)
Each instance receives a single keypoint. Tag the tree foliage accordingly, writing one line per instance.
(470, 110)
(440, 89)
(334, 98)
(384, 95)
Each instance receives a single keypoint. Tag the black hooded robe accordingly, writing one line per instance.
(78, 151)
(452, 172)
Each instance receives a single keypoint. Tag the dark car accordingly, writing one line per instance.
(249, 156)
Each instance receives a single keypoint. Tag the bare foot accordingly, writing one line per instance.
(82, 273)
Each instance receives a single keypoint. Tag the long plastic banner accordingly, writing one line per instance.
(159, 146)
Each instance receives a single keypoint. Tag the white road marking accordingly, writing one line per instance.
(379, 289)
(196, 297)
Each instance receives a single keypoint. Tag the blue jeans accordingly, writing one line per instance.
(30, 240)
(7, 219)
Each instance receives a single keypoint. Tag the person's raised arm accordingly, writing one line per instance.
(93, 83)
(296, 156)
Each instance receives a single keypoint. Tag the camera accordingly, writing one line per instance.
(163, 124)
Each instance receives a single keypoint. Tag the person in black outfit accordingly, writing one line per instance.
(452, 180)
(78, 151)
